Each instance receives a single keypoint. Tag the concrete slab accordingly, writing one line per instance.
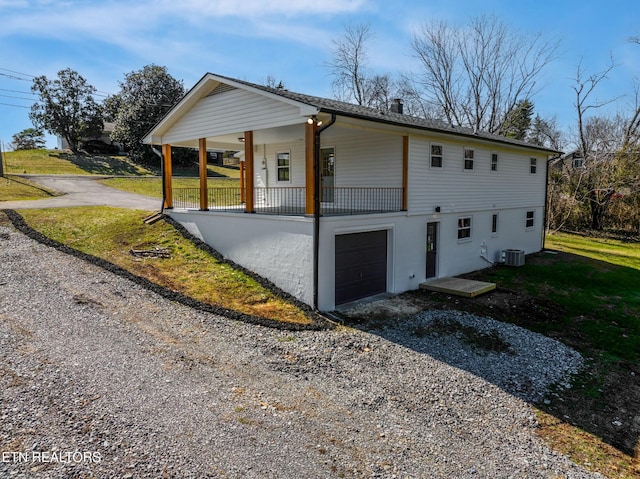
(458, 286)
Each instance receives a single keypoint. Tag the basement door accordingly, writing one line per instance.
(432, 249)
(361, 265)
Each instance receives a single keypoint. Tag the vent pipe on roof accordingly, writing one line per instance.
(397, 106)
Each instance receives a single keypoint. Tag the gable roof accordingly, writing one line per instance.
(317, 104)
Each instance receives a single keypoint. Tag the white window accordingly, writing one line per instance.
(283, 166)
(468, 159)
(436, 156)
(533, 165)
(494, 162)
(530, 219)
(494, 224)
(464, 228)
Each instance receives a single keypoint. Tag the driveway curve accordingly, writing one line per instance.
(80, 190)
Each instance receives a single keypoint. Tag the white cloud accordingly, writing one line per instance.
(258, 8)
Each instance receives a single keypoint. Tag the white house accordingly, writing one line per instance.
(339, 202)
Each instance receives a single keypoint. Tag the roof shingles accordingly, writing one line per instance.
(366, 113)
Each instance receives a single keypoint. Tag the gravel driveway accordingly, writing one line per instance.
(102, 378)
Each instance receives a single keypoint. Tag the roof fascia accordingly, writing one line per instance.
(438, 131)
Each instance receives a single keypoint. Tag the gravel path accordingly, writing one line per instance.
(102, 378)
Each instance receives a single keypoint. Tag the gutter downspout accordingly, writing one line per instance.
(164, 197)
(316, 208)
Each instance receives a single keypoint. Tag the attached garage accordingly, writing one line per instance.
(361, 265)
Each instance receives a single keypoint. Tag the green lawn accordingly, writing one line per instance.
(585, 292)
(597, 286)
(604, 249)
(55, 162)
(153, 186)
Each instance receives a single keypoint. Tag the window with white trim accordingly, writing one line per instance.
(533, 165)
(494, 224)
(494, 162)
(530, 219)
(468, 159)
(464, 228)
(283, 166)
(436, 156)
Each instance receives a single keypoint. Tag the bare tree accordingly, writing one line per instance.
(545, 132)
(348, 65)
(608, 154)
(271, 82)
(475, 76)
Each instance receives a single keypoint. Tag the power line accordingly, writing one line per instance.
(19, 91)
(13, 77)
(17, 106)
(17, 97)
(31, 77)
(17, 73)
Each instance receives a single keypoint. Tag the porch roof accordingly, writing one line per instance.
(311, 105)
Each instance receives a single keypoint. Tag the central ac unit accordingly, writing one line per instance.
(513, 257)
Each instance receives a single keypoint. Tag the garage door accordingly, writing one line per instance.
(361, 265)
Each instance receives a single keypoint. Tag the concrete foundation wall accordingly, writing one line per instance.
(277, 248)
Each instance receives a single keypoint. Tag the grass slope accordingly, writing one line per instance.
(56, 162)
(153, 186)
(16, 188)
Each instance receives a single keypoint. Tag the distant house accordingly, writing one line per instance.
(63, 144)
(339, 202)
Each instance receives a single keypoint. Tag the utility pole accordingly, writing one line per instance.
(1, 162)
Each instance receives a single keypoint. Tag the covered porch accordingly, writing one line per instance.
(286, 171)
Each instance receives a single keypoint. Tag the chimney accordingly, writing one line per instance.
(396, 105)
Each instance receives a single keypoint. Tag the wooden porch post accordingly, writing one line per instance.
(248, 158)
(168, 173)
(243, 193)
(309, 154)
(202, 156)
(405, 172)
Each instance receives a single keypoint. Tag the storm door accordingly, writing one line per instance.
(327, 177)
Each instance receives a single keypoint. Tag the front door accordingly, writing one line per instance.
(327, 162)
(432, 248)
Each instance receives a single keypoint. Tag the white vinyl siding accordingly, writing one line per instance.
(266, 164)
(455, 190)
(367, 159)
(243, 111)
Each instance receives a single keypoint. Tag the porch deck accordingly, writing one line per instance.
(467, 288)
(290, 201)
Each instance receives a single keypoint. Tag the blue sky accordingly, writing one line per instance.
(290, 40)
